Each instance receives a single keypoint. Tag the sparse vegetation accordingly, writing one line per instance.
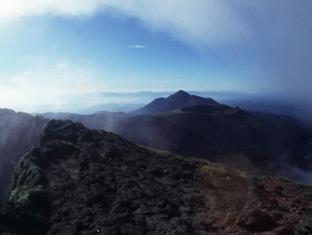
(105, 184)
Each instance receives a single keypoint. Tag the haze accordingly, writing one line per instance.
(54, 54)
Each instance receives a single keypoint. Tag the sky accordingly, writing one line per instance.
(54, 52)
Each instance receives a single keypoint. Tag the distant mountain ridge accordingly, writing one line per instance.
(179, 100)
(258, 143)
(201, 127)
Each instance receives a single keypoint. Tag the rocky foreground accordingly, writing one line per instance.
(84, 181)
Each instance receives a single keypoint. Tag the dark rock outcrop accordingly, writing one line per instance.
(84, 181)
(89, 182)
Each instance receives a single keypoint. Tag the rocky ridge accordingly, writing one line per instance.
(84, 181)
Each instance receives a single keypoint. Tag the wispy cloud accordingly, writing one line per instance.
(137, 46)
(277, 32)
(203, 21)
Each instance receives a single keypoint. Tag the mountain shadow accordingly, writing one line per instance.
(19, 133)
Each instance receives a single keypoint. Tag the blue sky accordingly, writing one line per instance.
(51, 50)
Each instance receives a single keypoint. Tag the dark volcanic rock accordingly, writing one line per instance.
(257, 221)
(97, 182)
(84, 181)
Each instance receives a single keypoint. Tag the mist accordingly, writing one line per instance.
(295, 173)
(286, 41)
(155, 117)
(261, 46)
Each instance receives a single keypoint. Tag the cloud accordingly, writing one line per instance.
(200, 22)
(275, 34)
(136, 46)
(195, 22)
(15, 9)
(52, 85)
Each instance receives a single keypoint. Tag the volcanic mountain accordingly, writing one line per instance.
(179, 100)
(200, 127)
(82, 181)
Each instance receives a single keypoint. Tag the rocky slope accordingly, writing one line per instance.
(248, 141)
(19, 132)
(84, 181)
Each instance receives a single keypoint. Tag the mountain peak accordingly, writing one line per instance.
(181, 93)
(179, 100)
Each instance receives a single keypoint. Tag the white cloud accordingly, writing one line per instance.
(278, 32)
(14, 9)
(51, 86)
(136, 46)
(196, 22)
